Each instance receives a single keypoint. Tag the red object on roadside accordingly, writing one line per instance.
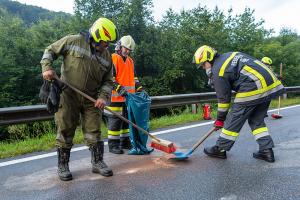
(206, 111)
(276, 116)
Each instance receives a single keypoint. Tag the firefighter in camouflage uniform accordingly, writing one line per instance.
(87, 65)
(255, 85)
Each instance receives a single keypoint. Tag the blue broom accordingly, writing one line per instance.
(185, 155)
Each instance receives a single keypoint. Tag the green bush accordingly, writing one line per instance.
(31, 130)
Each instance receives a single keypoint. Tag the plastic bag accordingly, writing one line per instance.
(138, 106)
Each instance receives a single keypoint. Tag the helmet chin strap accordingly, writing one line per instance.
(124, 54)
(118, 46)
(208, 72)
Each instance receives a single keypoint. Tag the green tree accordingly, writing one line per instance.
(245, 32)
(286, 36)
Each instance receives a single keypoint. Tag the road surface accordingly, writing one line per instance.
(154, 176)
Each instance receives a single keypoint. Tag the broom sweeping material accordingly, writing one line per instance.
(277, 116)
(163, 145)
(185, 155)
(159, 144)
(274, 115)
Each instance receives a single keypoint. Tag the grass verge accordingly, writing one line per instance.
(47, 141)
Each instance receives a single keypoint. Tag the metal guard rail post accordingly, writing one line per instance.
(26, 114)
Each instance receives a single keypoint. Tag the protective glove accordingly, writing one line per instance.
(121, 91)
(44, 91)
(140, 89)
(54, 97)
(218, 124)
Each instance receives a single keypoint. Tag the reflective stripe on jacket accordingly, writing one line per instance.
(252, 81)
(124, 76)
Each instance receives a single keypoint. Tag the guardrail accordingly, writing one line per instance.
(26, 114)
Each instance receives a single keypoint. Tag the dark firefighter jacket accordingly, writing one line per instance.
(253, 81)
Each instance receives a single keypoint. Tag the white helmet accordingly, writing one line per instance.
(127, 42)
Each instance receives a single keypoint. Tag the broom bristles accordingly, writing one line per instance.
(163, 145)
(276, 116)
(162, 142)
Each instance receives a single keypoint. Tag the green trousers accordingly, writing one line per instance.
(73, 111)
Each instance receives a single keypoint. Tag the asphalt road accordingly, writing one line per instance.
(156, 177)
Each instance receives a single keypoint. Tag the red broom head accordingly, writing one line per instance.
(167, 149)
(276, 116)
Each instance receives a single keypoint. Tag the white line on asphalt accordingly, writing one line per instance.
(12, 162)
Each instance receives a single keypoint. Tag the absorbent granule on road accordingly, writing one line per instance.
(148, 165)
(164, 162)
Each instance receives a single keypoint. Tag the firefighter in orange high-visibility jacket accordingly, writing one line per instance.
(255, 85)
(125, 82)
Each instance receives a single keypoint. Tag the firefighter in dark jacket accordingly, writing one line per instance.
(125, 82)
(255, 85)
(268, 61)
(87, 65)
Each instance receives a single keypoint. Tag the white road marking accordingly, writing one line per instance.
(12, 162)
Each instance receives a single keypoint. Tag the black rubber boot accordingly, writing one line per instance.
(125, 143)
(266, 155)
(114, 146)
(215, 151)
(63, 170)
(98, 164)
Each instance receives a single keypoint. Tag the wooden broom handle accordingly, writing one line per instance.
(133, 124)
(106, 108)
(280, 74)
(203, 138)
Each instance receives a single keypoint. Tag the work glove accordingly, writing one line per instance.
(44, 91)
(122, 91)
(54, 97)
(218, 124)
(140, 89)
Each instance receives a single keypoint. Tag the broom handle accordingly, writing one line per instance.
(203, 138)
(280, 74)
(133, 124)
(106, 108)
(278, 105)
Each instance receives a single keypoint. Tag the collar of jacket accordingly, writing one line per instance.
(119, 52)
(87, 38)
(216, 56)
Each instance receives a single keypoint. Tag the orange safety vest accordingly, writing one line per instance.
(124, 76)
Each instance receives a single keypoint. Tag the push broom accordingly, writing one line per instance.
(185, 155)
(274, 115)
(156, 143)
(277, 115)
